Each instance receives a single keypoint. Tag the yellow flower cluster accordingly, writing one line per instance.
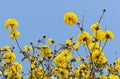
(99, 57)
(51, 60)
(9, 56)
(12, 25)
(99, 34)
(11, 69)
(82, 71)
(45, 51)
(62, 59)
(38, 73)
(61, 73)
(95, 55)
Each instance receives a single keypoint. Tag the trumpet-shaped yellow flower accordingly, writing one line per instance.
(97, 54)
(9, 56)
(84, 38)
(16, 66)
(95, 27)
(60, 61)
(98, 57)
(14, 34)
(67, 54)
(79, 73)
(11, 22)
(83, 66)
(70, 18)
(45, 51)
(108, 35)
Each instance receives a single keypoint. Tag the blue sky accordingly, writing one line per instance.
(37, 17)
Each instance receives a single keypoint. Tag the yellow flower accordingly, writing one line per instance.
(97, 54)
(32, 66)
(27, 48)
(98, 35)
(108, 35)
(9, 73)
(16, 66)
(40, 70)
(118, 61)
(83, 67)
(62, 73)
(103, 77)
(14, 34)
(50, 41)
(111, 69)
(18, 76)
(13, 75)
(13, 23)
(88, 76)
(117, 64)
(37, 73)
(95, 27)
(76, 45)
(9, 56)
(79, 73)
(70, 18)
(60, 61)
(98, 57)
(67, 54)
(117, 67)
(84, 38)
(94, 46)
(68, 42)
(111, 76)
(45, 51)
(5, 47)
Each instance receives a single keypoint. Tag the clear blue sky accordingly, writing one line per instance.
(37, 17)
